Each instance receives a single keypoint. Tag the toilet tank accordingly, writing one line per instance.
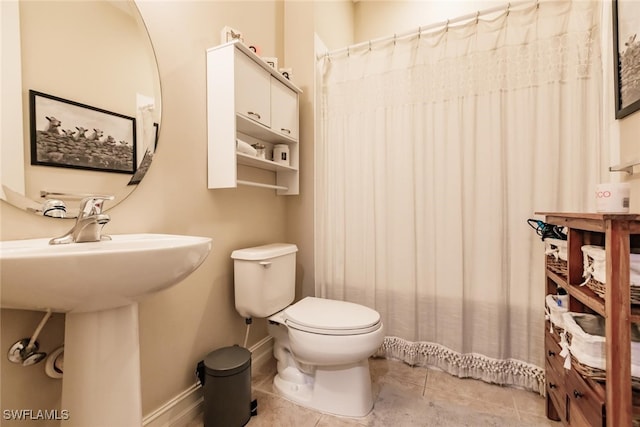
(264, 278)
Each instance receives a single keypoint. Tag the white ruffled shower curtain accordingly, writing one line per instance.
(433, 152)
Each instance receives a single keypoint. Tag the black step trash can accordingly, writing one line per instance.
(225, 375)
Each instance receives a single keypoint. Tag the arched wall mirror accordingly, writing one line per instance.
(91, 67)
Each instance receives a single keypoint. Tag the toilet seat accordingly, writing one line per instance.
(331, 317)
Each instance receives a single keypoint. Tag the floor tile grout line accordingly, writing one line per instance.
(424, 384)
(490, 403)
(515, 405)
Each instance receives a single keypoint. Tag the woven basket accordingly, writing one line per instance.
(599, 289)
(600, 375)
(558, 266)
(589, 371)
(557, 329)
(594, 263)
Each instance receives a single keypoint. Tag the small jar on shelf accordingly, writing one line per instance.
(260, 151)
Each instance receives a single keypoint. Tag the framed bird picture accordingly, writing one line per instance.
(626, 56)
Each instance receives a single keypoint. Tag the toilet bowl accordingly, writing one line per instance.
(321, 346)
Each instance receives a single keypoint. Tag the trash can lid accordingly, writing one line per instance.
(227, 361)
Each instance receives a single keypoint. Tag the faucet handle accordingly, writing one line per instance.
(92, 205)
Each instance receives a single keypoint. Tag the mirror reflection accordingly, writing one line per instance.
(80, 103)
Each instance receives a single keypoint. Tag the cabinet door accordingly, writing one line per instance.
(284, 109)
(253, 89)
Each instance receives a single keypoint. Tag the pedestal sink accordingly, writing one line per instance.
(98, 286)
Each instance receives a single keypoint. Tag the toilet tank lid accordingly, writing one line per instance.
(264, 252)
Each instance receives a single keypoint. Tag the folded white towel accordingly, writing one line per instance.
(243, 147)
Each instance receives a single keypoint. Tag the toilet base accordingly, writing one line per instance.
(338, 390)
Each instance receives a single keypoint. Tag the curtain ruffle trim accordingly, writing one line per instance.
(508, 372)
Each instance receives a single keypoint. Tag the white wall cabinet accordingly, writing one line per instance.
(249, 100)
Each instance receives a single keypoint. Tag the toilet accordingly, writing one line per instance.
(322, 346)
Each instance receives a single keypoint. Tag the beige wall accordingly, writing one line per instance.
(335, 22)
(299, 51)
(630, 137)
(374, 19)
(181, 325)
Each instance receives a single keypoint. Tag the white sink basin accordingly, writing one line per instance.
(82, 277)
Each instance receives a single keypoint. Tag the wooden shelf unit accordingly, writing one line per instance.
(611, 402)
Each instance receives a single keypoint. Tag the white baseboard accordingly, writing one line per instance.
(178, 411)
(261, 353)
(188, 405)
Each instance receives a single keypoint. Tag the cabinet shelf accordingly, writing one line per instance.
(586, 296)
(258, 130)
(248, 160)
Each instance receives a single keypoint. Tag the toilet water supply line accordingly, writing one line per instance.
(248, 321)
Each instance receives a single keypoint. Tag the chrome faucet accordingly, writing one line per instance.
(88, 227)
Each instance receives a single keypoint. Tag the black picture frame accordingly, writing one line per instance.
(69, 134)
(626, 56)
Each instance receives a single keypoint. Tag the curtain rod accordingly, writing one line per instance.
(422, 29)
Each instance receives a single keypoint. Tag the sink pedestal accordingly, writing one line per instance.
(101, 382)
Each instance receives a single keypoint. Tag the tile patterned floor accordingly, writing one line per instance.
(408, 396)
